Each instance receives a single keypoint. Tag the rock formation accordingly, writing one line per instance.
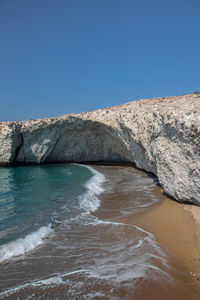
(157, 135)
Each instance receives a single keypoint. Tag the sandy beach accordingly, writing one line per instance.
(176, 226)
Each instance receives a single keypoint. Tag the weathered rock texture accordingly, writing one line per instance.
(158, 135)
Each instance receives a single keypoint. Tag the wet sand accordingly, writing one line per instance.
(176, 226)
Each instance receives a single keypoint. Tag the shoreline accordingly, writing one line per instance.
(165, 273)
(176, 226)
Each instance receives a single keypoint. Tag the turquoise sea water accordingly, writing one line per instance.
(33, 197)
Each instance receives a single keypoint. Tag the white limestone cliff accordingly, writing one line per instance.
(158, 135)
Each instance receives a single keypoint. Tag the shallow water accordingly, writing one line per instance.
(60, 238)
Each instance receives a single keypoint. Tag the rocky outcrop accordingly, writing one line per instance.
(10, 141)
(158, 135)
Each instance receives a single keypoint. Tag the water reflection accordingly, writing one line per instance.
(6, 193)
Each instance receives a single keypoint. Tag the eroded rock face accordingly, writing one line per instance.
(158, 135)
(10, 141)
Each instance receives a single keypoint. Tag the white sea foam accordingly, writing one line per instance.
(24, 245)
(89, 200)
(52, 281)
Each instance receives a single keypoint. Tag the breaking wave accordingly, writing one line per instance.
(24, 245)
(89, 200)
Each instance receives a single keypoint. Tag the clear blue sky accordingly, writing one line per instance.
(61, 56)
